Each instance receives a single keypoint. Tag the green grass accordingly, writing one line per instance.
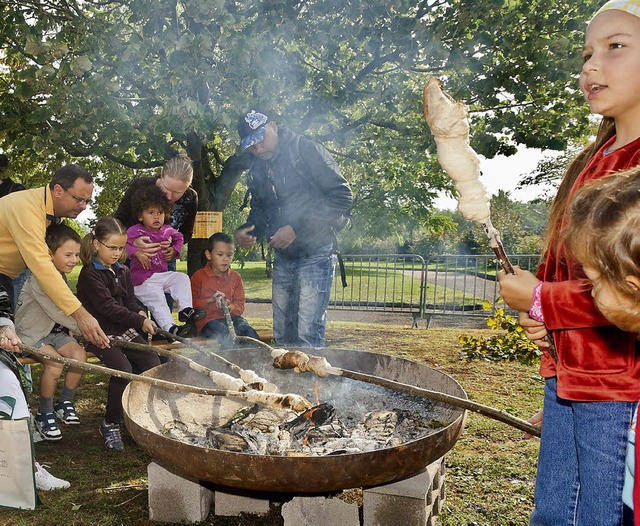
(490, 470)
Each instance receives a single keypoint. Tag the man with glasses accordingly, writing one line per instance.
(24, 217)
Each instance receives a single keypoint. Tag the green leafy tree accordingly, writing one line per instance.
(125, 83)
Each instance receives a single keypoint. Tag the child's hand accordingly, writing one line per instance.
(218, 298)
(536, 420)
(517, 289)
(534, 330)
(149, 326)
(143, 259)
(170, 253)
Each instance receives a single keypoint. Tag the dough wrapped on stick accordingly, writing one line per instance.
(448, 121)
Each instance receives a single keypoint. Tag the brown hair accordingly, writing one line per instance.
(218, 237)
(180, 168)
(58, 234)
(606, 130)
(604, 226)
(105, 227)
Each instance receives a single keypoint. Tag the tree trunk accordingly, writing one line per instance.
(214, 191)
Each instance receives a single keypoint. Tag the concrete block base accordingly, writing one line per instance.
(414, 501)
(319, 511)
(232, 504)
(174, 498)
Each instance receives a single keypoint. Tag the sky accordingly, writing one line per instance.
(504, 173)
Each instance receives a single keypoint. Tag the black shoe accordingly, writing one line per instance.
(191, 314)
(188, 330)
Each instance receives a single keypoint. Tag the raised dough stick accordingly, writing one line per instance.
(448, 122)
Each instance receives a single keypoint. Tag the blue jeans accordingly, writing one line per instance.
(301, 291)
(581, 464)
(218, 330)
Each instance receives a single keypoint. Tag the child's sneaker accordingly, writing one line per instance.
(66, 412)
(47, 427)
(111, 435)
(190, 314)
(45, 481)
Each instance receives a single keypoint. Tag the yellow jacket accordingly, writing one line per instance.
(23, 223)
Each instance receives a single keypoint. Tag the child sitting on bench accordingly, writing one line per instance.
(217, 283)
(151, 277)
(42, 325)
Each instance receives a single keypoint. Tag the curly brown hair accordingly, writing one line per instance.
(148, 197)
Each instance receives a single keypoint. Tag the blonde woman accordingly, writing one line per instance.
(174, 181)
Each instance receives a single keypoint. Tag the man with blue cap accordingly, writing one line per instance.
(298, 199)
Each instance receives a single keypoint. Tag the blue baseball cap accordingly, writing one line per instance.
(252, 128)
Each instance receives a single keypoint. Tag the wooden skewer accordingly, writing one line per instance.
(249, 377)
(257, 383)
(166, 384)
(280, 401)
(484, 410)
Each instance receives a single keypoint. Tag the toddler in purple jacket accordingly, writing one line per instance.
(150, 275)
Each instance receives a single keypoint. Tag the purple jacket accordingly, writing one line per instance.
(158, 264)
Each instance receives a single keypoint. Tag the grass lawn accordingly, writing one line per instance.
(490, 470)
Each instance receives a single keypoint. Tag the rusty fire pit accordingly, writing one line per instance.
(147, 410)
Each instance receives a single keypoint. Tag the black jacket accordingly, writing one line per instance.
(300, 186)
(109, 297)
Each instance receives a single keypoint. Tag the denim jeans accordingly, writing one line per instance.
(217, 329)
(581, 464)
(301, 291)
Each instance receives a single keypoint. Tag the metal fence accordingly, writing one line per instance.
(467, 285)
(463, 285)
(380, 282)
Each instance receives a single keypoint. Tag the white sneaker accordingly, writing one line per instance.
(45, 481)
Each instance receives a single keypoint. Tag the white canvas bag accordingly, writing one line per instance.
(17, 481)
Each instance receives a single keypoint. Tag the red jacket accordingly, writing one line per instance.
(204, 284)
(596, 361)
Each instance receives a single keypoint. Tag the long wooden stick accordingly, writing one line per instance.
(186, 341)
(173, 386)
(491, 412)
(229, 320)
(256, 382)
(280, 401)
(484, 410)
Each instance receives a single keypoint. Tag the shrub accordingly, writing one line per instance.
(511, 345)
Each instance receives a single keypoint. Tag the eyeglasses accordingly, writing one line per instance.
(113, 248)
(79, 200)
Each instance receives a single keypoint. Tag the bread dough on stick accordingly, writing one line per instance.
(448, 122)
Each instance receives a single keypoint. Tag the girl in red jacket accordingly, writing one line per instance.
(592, 386)
(604, 221)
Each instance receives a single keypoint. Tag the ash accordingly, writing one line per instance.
(343, 426)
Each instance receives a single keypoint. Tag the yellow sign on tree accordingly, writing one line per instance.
(207, 224)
